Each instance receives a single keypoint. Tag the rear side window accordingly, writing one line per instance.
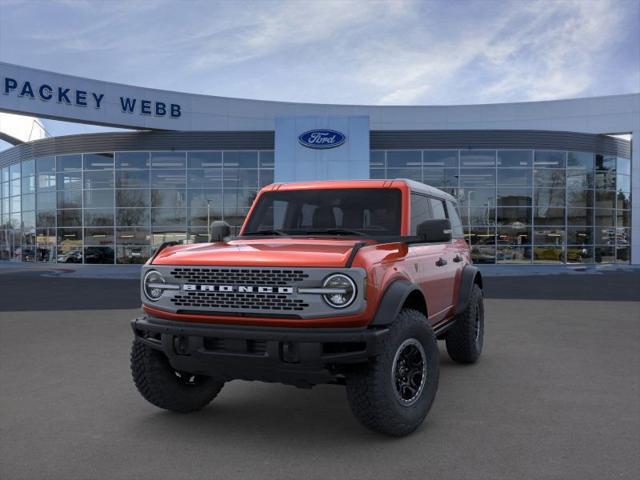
(437, 207)
(454, 217)
(420, 211)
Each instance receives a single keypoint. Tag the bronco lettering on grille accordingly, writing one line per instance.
(237, 288)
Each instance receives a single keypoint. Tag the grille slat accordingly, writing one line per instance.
(238, 276)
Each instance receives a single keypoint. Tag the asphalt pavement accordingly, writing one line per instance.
(555, 395)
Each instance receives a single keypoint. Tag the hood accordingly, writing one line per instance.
(271, 252)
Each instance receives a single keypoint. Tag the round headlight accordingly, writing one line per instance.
(150, 285)
(344, 290)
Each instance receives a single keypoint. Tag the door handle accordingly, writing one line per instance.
(457, 258)
(441, 262)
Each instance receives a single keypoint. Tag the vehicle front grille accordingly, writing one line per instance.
(238, 276)
(238, 301)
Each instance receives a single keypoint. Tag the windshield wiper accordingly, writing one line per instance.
(336, 231)
(267, 232)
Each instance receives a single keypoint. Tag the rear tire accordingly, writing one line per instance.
(167, 388)
(465, 338)
(393, 393)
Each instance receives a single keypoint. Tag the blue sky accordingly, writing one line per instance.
(361, 52)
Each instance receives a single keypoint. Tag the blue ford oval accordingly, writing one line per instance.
(322, 138)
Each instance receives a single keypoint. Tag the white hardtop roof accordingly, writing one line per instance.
(427, 189)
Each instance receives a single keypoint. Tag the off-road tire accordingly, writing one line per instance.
(371, 388)
(162, 386)
(464, 342)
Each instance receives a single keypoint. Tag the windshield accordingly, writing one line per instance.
(356, 211)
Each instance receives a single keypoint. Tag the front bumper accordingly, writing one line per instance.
(297, 356)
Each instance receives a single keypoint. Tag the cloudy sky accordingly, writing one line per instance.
(361, 52)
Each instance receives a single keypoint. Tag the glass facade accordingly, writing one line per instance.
(517, 206)
(116, 207)
(528, 206)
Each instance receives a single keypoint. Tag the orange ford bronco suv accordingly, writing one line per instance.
(343, 282)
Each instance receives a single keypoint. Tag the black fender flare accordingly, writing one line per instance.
(470, 275)
(392, 300)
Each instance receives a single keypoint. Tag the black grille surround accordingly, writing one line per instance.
(238, 276)
(251, 291)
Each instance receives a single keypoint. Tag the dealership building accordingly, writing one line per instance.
(538, 182)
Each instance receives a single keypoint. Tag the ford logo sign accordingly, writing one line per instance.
(322, 138)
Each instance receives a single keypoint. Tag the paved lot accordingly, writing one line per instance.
(554, 396)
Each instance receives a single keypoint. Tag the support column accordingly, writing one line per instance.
(635, 197)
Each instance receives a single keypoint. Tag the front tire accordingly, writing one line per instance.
(394, 393)
(166, 388)
(465, 339)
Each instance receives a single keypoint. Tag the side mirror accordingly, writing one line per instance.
(219, 231)
(435, 231)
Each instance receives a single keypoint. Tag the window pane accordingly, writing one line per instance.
(454, 218)
(138, 160)
(168, 198)
(98, 179)
(605, 254)
(420, 211)
(623, 166)
(579, 179)
(70, 180)
(267, 159)
(133, 236)
(98, 254)
(98, 161)
(167, 179)
(240, 159)
(579, 216)
(168, 160)
(548, 216)
(127, 254)
(580, 236)
(70, 218)
(623, 255)
(206, 198)
(98, 199)
(266, 177)
(46, 219)
(377, 173)
(478, 215)
(204, 159)
(605, 199)
(483, 254)
(132, 198)
(579, 254)
(514, 197)
(477, 196)
(548, 197)
(583, 160)
(204, 178)
(513, 254)
(45, 165)
(606, 163)
(28, 168)
(237, 177)
(548, 254)
(410, 173)
(70, 199)
(624, 218)
(14, 187)
(477, 158)
(441, 177)
(514, 176)
(477, 177)
(46, 201)
(69, 162)
(238, 199)
(623, 183)
(404, 158)
(515, 158)
(98, 236)
(549, 236)
(605, 217)
(549, 178)
(440, 159)
(28, 185)
(98, 217)
(514, 234)
(133, 217)
(168, 217)
(549, 159)
(577, 197)
(132, 178)
(29, 202)
(376, 159)
(514, 215)
(605, 235)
